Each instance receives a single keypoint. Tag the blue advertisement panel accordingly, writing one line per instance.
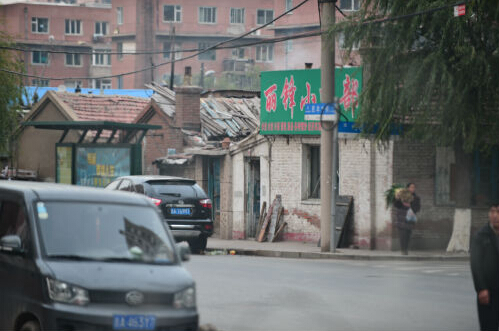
(98, 166)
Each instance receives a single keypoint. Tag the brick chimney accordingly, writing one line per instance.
(187, 104)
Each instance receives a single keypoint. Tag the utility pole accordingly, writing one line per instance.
(328, 198)
(172, 58)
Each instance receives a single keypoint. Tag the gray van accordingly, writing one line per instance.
(75, 258)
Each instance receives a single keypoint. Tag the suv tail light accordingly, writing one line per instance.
(205, 203)
(157, 202)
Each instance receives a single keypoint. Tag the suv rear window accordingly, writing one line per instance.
(178, 188)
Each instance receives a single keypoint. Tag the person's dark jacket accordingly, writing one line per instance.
(401, 211)
(484, 259)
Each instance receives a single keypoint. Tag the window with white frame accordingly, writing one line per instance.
(264, 16)
(349, 4)
(167, 50)
(289, 4)
(341, 42)
(172, 13)
(101, 28)
(41, 82)
(264, 53)
(208, 15)
(237, 16)
(119, 15)
(101, 83)
(101, 58)
(73, 27)
(73, 60)
(210, 55)
(39, 25)
(39, 57)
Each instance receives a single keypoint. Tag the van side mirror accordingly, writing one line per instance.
(11, 243)
(184, 252)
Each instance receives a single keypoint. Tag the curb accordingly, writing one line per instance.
(335, 256)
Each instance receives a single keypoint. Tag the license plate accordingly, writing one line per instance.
(134, 322)
(180, 211)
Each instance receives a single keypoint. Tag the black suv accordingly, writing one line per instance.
(185, 206)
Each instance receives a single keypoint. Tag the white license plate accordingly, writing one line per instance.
(134, 322)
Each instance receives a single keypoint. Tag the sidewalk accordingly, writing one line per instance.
(293, 249)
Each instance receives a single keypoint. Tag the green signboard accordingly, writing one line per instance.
(284, 95)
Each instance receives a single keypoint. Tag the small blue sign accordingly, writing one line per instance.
(313, 111)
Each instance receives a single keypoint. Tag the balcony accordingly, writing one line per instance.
(237, 65)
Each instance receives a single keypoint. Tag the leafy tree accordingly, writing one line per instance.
(10, 92)
(438, 72)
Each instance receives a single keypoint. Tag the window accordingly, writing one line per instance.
(264, 53)
(40, 57)
(238, 53)
(315, 172)
(13, 220)
(341, 42)
(119, 17)
(73, 60)
(72, 83)
(101, 58)
(73, 27)
(41, 82)
(289, 46)
(289, 4)
(120, 81)
(119, 49)
(101, 83)
(172, 13)
(349, 4)
(39, 25)
(237, 15)
(207, 15)
(167, 48)
(101, 28)
(209, 55)
(264, 16)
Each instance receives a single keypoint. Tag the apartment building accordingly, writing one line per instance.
(70, 41)
(98, 38)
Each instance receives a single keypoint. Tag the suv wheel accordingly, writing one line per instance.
(198, 245)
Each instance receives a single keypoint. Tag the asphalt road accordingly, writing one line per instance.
(258, 293)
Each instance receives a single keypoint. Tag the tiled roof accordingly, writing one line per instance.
(115, 108)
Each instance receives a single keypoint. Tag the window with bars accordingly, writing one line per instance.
(172, 13)
(39, 25)
(208, 15)
(264, 16)
(237, 16)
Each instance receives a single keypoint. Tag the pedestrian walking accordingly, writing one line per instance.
(407, 204)
(484, 259)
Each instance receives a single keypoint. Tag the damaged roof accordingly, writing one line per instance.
(220, 116)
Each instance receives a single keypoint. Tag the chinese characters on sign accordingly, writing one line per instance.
(301, 87)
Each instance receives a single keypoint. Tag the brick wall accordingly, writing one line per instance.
(187, 105)
(415, 162)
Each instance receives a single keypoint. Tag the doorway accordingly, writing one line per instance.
(252, 196)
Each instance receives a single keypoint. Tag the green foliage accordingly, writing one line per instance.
(10, 92)
(391, 193)
(436, 71)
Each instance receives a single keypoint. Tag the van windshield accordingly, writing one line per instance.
(105, 232)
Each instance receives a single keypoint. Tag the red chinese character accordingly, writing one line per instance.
(288, 94)
(305, 100)
(271, 98)
(350, 94)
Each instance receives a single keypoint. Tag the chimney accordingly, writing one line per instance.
(187, 105)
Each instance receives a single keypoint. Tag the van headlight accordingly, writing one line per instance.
(185, 298)
(67, 293)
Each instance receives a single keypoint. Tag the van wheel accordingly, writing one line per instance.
(30, 326)
(198, 245)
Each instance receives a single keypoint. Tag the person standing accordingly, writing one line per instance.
(484, 259)
(403, 203)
